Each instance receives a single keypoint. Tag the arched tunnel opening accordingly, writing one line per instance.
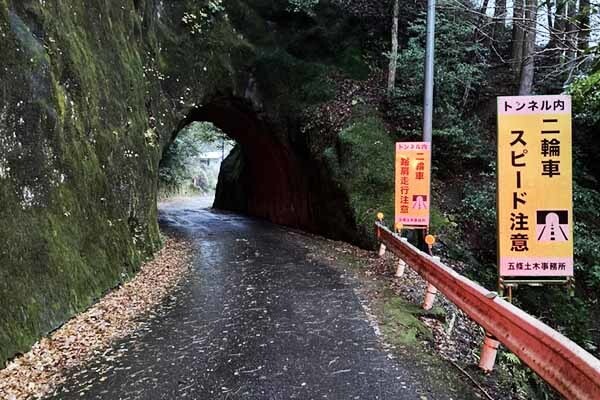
(261, 176)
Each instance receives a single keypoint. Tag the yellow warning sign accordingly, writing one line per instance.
(413, 173)
(535, 213)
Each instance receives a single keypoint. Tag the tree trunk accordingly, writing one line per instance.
(558, 28)
(557, 34)
(484, 7)
(571, 32)
(527, 68)
(499, 15)
(584, 25)
(481, 19)
(549, 15)
(394, 52)
(518, 35)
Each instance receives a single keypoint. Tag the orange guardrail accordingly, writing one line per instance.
(568, 368)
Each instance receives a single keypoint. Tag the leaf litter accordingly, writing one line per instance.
(38, 372)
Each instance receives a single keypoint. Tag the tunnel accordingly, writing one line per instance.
(263, 176)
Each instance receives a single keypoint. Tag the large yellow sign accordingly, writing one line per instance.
(413, 172)
(535, 213)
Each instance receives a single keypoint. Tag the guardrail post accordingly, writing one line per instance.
(488, 353)
(381, 250)
(430, 293)
(400, 269)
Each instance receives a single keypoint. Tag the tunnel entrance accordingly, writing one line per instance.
(190, 165)
(262, 175)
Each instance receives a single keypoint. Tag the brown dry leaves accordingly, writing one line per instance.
(39, 371)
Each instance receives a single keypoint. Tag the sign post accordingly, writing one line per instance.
(535, 213)
(413, 170)
(429, 63)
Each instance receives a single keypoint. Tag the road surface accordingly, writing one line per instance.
(255, 319)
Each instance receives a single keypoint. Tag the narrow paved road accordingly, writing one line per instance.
(255, 319)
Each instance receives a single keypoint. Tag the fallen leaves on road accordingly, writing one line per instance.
(115, 316)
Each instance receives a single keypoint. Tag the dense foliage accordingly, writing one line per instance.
(460, 70)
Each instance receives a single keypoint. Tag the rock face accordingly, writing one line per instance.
(91, 93)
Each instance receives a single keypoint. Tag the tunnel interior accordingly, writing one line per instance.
(262, 176)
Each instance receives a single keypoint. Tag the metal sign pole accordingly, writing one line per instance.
(428, 95)
(429, 58)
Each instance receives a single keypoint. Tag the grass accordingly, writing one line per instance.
(400, 321)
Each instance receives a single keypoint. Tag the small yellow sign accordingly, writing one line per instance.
(535, 213)
(413, 172)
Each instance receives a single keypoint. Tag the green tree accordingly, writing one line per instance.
(459, 73)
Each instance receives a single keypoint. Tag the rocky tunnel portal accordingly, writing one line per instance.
(262, 176)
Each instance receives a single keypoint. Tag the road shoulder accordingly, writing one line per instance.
(40, 371)
(411, 335)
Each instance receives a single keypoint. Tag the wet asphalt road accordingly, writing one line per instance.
(255, 319)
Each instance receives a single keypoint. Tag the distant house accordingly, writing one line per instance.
(210, 158)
